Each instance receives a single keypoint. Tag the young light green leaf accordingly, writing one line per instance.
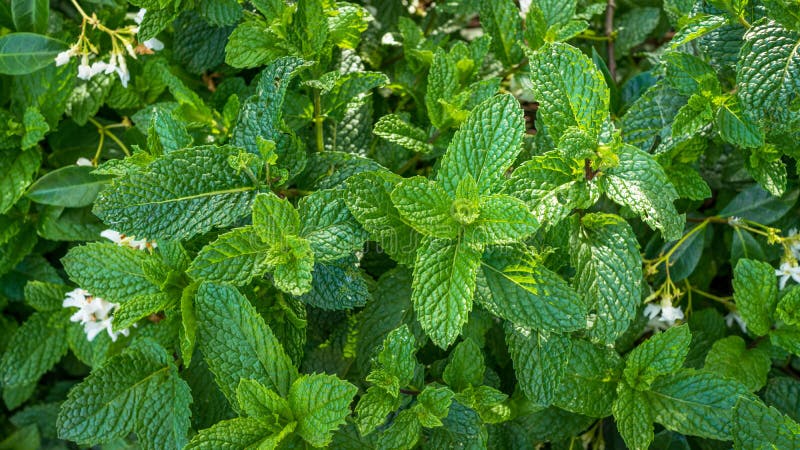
(442, 85)
(503, 220)
(328, 225)
(736, 128)
(640, 183)
(137, 391)
(433, 405)
(373, 408)
(236, 343)
(256, 400)
(755, 291)
(570, 90)
(661, 354)
(320, 404)
(500, 19)
(236, 257)
(444, 284)
(609, 273)
(426, 206)
(397, 355)
(293, 262)
(274, 218)
(485, 146)
(731, 358)
(465, 367)
(168, 201)
(404, 432)
(394, 129)
(238, 433)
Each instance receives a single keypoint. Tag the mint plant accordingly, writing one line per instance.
(380, 224)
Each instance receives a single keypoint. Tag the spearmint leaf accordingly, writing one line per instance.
(552, 186)
(688, 183)
(329, 226)
(767, 168)
(256, 400)
(32, 350)
(570, 90)
(293, 260)
(320, 404)
(433, 405)
(736, 128)
(651, 116)
(633, 418)
(539, 362)
(236, 343)
(426, 206)
(373, 408)
(609, 273)
(337, 287)
(347, 25)
(238, 433)
(661, 354)
(110, 271)
(168, 201)
(730, 357)
(500, 19)
(309, 30)
(137, 391)
(634, 26)
(44, 296)
(696, 27)
(768, 74)
(18, 168)
(503, 220)
(688, 74)
(220, 13)
(465, 367)
(274, 218)
(346, 89)
(443, 287)
(757, 426)
(695, 403)
(693, 117)
(394, 129)
(236, 257)
(640, 183)
(442, 85)
(35, 127)
(521, 290)
(166, 134)
(397, 355)
(788, 309)
(404, 432)
(485, 146)
(590, 378)
(755, 291)
(252, 43)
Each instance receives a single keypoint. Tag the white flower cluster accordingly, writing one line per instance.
(790, 269)
(116, 62)
(128, 241)
(93, 313)
(662, 316)
(795, 245)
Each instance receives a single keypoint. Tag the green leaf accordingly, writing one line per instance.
(758, 205)
(69, 186)
(788, 309)
(293, 262)
(18, 168)
(23, 53)
(696, 27)
(347, 88)
(755, 291)
(236, 343)
(168, 201)
(397, 355)
(256, 400)
(337, 286)
(730, 357)
(236, 257)
(33, 349)
(442, 85)
(590, 379)
(539, 362)
(518, 288)
(689, 74)
(426, 206)
(736, 128)
(347, 24)
(166, 134)
(503, 220)
(394, 129)
(253, 44)
(443, 287)
(328, 225)
(570, 90)
(30, 15)
(485, 146)
(633, 417)
(634, 26)
(139, 307)
(239, 433)
(552, 186)
(309, 30)
(500, 19)
(44, 296)
(274, 218)
(465, 367)
(693, 117)
(609, 273)
(661, 354)
(767, 168)
(695, 403)
(373, 408)
(113, 272)
(768, 74)
(320, 404)
(433, 405)
(640, 183)
(688, 183)
(403, 433)
(137, 391)
(35, 127)
(757, 426)
(220, 13)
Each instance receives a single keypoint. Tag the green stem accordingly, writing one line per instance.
(318, 120)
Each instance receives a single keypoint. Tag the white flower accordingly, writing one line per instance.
(64, 57)
(154, 44)
(651, 310)
(795, 246)
(127, 241)
(139, 16)
(524, 6)
(670, 314)
(129, 49)
(122, 71)
(662, 316)
(83, 162)
(788, 270)
(84, 70)
(732, 318)
(98, 68)
(93, 313)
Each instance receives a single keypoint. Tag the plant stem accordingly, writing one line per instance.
(609, 29)
(318, 120)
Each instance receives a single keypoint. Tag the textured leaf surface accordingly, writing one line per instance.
(500, 18)
(444, 284)
(336, 287)
(608, 273)
(394, 129)
(237, 343)
(539, 362)
(233, 434)
(661, 354)
(729, 357)
(756, 294)
(757, 426)
(425, 205)
(236, 257)
(590, 379)
(18, 169)
(503, 220)
(168, 200)
(640, 183)
(570, 90)
(633, 418)
(484, 146)
(320, 404)
(328, 225)
(274, 218)
(137, 391)
(528, 294)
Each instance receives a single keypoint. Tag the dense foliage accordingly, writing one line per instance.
(399, 224)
